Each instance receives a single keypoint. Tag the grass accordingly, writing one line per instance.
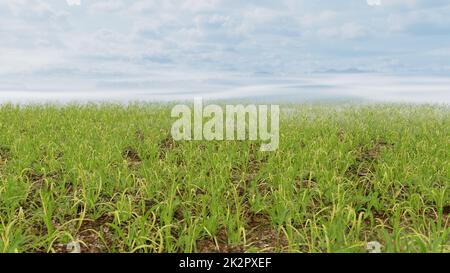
(112, 178)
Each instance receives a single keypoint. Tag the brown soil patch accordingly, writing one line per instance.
(373, 152)
(5, 154)
(89, 234)
(264, 188)
(306, 182)
(262, 235)
(446, 215)
(341, 135)
(165, 146)
(446, 210)
(131, 156)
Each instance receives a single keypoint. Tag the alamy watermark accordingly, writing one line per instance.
(231, 122)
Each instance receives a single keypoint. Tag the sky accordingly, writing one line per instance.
(200, 45)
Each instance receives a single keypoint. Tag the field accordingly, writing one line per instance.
(111, 178)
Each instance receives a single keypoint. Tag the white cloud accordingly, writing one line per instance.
(106, 6)
(73, 2)
(255, 36)
(374, 2)
(344, 31)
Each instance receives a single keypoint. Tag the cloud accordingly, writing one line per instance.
(374, 2)
(344, 31)
(73, 2)
(106, 6)
(131, 39)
